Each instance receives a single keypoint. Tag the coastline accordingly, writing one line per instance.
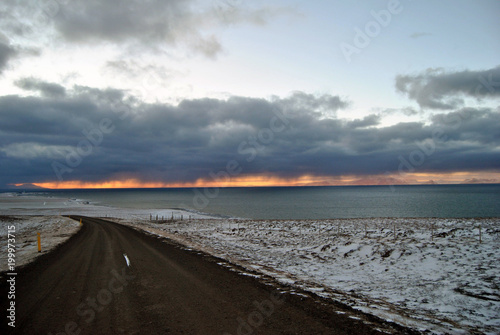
(432, 274)
(319, 203)
(442, 282)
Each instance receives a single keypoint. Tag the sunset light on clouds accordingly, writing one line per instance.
(306, 180)
(232, 93)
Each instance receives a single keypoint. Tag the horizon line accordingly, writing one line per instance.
(39, 188)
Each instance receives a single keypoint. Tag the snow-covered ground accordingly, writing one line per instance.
(441, 275)
(34, 213)
(53, 230)
(429, 274)
(30, 204)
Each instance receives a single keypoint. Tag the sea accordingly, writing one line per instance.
(450, 201)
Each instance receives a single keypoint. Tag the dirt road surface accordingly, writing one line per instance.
(112, 279)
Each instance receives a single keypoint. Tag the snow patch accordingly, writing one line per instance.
(53, 230)
(423, 273)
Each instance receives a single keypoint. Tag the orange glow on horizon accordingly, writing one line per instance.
(266, 180)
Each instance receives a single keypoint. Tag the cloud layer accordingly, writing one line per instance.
(438, 89)
(96, 135)
(51, 131)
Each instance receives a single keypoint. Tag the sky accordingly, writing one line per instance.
(187, 93)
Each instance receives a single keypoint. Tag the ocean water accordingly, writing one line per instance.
(308, 202)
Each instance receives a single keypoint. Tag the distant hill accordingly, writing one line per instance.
(25, 187)
(480, 181)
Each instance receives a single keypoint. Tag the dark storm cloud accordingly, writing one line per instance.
(6, 53)
(287, 137)
(50, 90)
(325, 104)
(367, 121)
(444, 90)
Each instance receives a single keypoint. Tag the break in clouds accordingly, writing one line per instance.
(46, 136)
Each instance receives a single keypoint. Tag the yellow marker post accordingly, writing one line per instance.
(39, 243)
(80, 222)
